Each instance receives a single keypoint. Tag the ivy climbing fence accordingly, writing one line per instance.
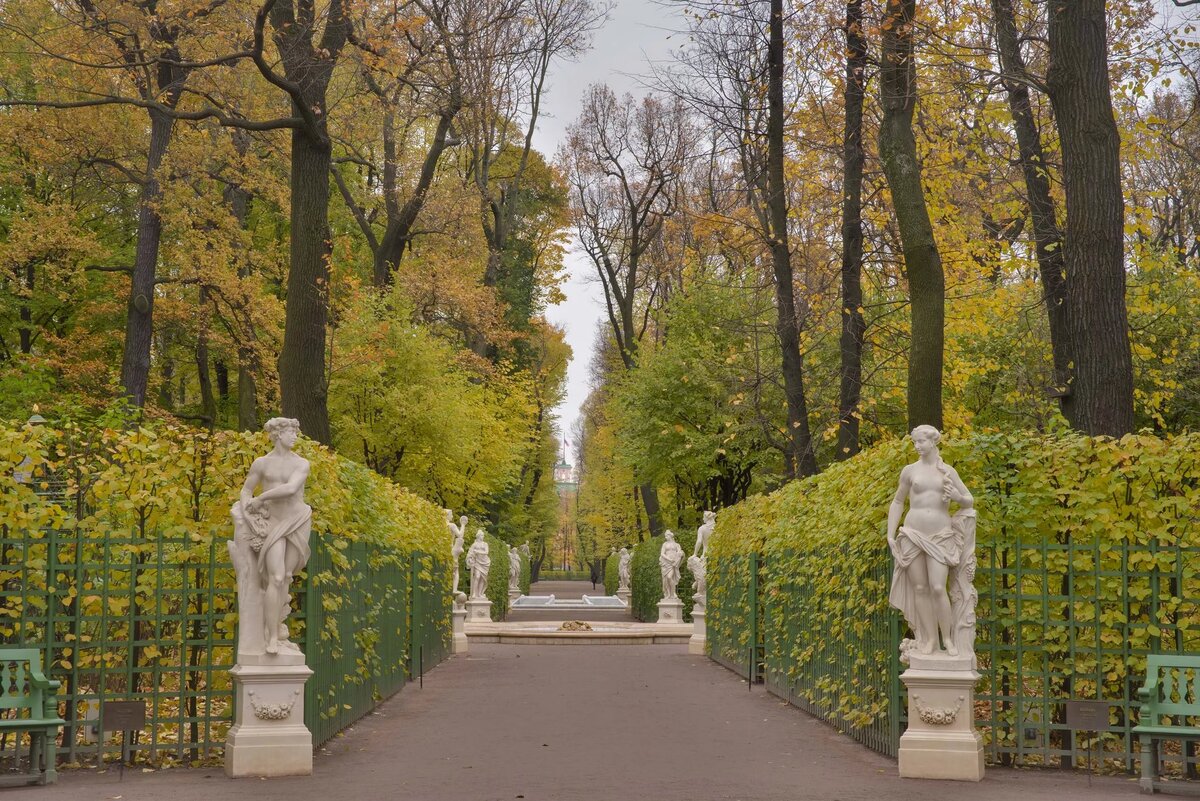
(113, 563)
(1089, 560)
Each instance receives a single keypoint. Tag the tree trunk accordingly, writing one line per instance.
(208, 400)
(139, 321)
(397, 237)
(802, 461)
(1046, 232)
(853, 159)
(1100, 400)
(922, 262)
(26, 312)
(302, 382)
(653, 512)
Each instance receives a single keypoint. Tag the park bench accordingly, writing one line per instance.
(1172, 690)
(34, 702)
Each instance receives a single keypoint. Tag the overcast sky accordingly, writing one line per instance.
(637, 32)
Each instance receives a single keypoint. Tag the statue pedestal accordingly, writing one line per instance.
(941, 741)
(514, 594)
(670, 611)
(459, 619)
(696, 645)
(479, 610)
(268, 737)
(624, 594)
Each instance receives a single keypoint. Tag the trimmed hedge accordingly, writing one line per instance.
(147, 509)
(647, 577)
(612, 573)
(1110, 520)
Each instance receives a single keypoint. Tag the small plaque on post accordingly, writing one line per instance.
(1087, 715)
(123, 716)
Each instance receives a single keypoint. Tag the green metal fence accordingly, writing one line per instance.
(734, 618)
(1056, 622)
(851, 681)
(1060, 622)
(148, 616)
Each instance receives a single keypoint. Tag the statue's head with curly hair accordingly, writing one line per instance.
(278, 426)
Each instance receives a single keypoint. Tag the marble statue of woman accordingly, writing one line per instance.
(270, 541)
(479, 561)
(456, 541)
(704, 532)
(670, 556)
(624, 569)
(514, 569)
(933, 549)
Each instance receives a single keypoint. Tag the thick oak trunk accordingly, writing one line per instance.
(1100, 400)
(1046, 232)
(801, 459)
(302, 381)
(922, 262)
(854, 326)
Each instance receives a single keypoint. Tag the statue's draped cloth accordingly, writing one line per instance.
(293, 529)
(953, 546)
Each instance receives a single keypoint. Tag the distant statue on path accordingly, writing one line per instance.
(670, 556)
(456, 542)
(514, 569)
(270, 541)
(624, 569)
(704, 532)
(478, 561)
(932, 549)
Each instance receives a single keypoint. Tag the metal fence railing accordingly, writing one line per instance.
(734, 617)
(1056, 623)
(148, 616)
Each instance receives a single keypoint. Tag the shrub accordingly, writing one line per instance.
(612, 573)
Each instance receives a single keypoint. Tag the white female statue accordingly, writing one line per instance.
(456, 542)
(931, 548)
(704, 532)
(479, 561)
(514, 569)
(624, 569)
(270, 541)
(670, 556)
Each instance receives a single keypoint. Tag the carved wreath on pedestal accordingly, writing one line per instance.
(937, 717)
(280, 711)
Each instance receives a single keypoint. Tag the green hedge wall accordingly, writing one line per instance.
(1088, 560)
(647, 577)
(612, 573)
(524, 583)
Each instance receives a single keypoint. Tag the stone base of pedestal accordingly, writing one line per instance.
(941, 741)
(514, 594)
(696, 645)
(268, 737)
(459, 620)
(624, 594)
(670, 611)
(479, 611)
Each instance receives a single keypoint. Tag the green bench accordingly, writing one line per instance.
(1172, 690)
(32, 696)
